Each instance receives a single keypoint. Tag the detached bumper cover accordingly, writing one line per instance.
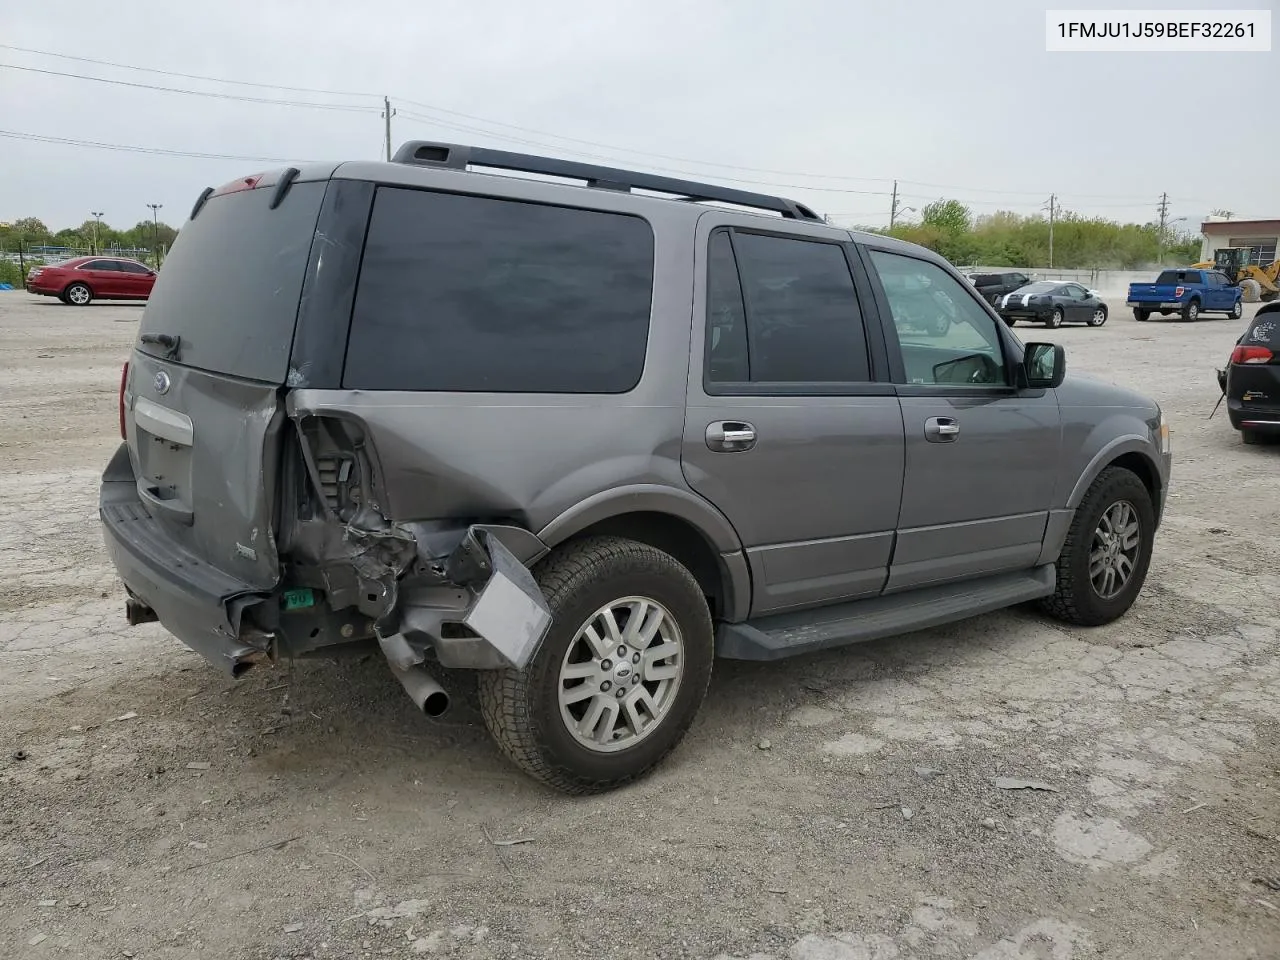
(198, 604)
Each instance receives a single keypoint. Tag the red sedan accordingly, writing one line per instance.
(82, 279)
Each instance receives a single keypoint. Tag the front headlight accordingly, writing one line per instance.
(1165, 447)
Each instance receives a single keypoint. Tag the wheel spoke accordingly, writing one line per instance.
(612, 633)
(578, 693)
(581, 671)
(643, 624)
(600, 646)
(631, 707)
(1124, 567)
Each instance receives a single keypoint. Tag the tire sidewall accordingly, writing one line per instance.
(67, 295)
(1119, 485)
(1237, 311)
(1055, 318)
(1192, 311)
(1094, 321)
(622, 577)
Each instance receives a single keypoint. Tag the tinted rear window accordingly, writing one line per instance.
(230, 285)
(1178, 276)
(1264, 331)
(463, 293)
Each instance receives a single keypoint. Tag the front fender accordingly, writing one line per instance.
(1118, 447)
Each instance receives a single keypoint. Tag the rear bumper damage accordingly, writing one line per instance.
(458, 595)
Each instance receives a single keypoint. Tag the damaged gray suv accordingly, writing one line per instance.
(580, 433)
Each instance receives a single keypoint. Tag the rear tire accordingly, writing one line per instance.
(1191, 312)
(1250, 438)
(1055, 318)
(527, 711)
(1141, 315)
(78, 295)
(1083, 594)
(1237, 311)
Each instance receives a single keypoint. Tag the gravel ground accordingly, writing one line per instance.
(844, 806)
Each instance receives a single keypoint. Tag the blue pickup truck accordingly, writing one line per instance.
(1189, 292)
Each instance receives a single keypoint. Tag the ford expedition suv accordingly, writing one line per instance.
(580, 440)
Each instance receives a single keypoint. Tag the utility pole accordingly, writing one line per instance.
(97, 222)
(387, 114)
(1164, 219)
(155, 232)
(893, 209)
(1053, 216)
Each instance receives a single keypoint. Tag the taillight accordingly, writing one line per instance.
(124, 378)
(1179, 291)
(1243, 354)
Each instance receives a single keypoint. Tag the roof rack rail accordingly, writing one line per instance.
(460, 156)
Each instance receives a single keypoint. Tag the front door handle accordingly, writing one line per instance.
(730, 436)
(941, 429)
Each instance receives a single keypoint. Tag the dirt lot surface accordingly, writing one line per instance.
(844, 806)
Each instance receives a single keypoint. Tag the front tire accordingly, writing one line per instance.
(78, 295)
(1099, 317)
(1105, 558)
(620, 675)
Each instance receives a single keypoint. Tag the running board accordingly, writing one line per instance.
(789, 634)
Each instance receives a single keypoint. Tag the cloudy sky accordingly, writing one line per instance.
(824, 100)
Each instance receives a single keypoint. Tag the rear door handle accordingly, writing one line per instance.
(941, 429)
(730, 436)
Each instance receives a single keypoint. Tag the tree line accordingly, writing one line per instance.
(1006, 239)
(92, 235)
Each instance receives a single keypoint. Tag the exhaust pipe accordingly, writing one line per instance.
(429, 697)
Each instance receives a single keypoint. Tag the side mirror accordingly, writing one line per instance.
(1044, 365)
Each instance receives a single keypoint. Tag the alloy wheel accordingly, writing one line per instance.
(620, 675)
(1113, 555)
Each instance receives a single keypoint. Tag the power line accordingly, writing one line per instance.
(349, 107)
(126, 148)
(185, 76)
(524, 129)
(451, 124)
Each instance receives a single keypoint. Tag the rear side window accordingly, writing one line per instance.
(230, 285)
(464, 293)
(100, 265)
(803, 322)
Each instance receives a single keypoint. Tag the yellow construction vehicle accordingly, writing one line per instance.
(1259, 283)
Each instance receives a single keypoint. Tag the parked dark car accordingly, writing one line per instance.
(83, 279)
(993, 286)
(1053, 303)
(571, 441)
(1251, 380)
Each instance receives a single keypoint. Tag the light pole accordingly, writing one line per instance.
(97, 222)
(155, 232)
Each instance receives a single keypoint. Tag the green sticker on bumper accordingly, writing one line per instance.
(299, 599)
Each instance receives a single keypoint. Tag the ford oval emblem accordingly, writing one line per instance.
(162, 383)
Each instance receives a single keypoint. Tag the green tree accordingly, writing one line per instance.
(949, 216)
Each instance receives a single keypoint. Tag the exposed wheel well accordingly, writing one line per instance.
(1146, 471)
(677, 537)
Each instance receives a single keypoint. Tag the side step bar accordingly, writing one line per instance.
(788, 634)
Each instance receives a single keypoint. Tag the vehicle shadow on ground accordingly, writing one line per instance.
(347, 726)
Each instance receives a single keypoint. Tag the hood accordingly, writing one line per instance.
(1092, 390)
